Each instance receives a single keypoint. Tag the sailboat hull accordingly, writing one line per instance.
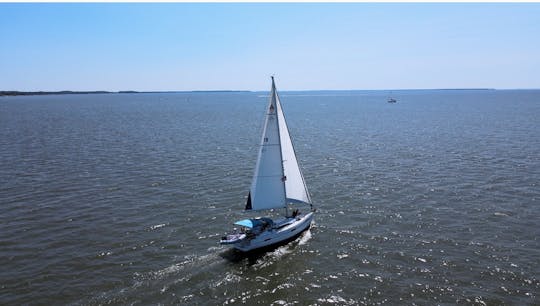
(276, 236)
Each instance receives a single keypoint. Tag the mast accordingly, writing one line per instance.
(275, 99)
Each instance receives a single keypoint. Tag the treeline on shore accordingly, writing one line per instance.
(38, 93)
(70, 92)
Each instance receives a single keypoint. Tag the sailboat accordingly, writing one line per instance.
(277, 183)
(391, 100)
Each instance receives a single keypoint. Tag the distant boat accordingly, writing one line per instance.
(277, 183)
(390, 99)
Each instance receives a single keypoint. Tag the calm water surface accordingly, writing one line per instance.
(122, 198)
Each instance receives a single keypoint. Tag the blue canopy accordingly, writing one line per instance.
(246, 223)
(251, 223)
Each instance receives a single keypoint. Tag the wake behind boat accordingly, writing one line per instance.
(277, 183)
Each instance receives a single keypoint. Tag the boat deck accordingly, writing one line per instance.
(283, 222)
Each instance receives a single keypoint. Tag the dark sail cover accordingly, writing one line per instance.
(248, 204)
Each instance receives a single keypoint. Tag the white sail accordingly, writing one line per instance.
(295, 188)
(277, 178)
(267, 188)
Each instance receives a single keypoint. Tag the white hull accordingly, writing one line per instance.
(276, 235)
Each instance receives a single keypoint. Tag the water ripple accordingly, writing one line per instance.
(120, 199)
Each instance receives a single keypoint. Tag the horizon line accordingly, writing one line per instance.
(28, 92)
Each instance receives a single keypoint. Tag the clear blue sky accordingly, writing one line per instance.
(186, 46)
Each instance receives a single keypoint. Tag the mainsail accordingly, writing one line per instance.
(277, 179)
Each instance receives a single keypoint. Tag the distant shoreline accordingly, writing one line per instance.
(7, 93)
(69, 92)
(39, 93)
